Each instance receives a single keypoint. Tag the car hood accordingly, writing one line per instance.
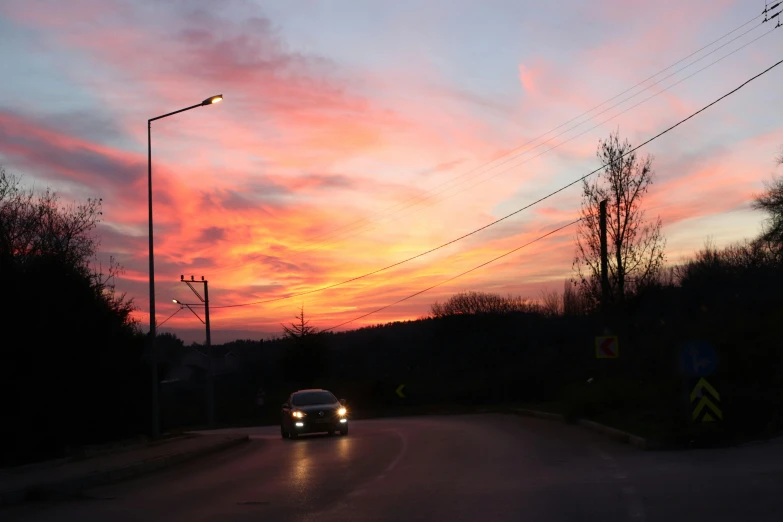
(326, 408)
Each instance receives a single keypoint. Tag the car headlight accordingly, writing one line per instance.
(297, 414)
(341, 412)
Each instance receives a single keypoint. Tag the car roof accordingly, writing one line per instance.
(309, 390)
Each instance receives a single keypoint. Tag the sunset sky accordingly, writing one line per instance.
(357, 134)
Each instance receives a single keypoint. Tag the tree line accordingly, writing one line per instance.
(72, 354)
(76, 358)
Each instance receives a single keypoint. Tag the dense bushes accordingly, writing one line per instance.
(71, 355)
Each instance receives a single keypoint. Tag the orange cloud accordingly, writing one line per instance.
(312, 172)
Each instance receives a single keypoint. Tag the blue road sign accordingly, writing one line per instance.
(698, 359)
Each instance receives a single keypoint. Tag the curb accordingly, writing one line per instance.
(540, 414)
(74, 485)
(614, 433)
(89, 454)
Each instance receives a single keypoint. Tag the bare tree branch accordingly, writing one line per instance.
(38, 226)
(638, 244)
(551, 303)
(771, 203)
(472, 303)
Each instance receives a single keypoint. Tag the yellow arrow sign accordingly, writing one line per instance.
(399, 391)
(703, 385)
(706, 402)
(707, 397)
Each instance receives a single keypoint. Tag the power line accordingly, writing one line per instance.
(169, 317)
(456, 276)
(418, 199)
(630, 151)
(601, 123)
(363, 228)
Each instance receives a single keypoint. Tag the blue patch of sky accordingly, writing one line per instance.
(44, 81)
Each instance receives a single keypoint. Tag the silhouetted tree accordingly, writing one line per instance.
(306, 358)
(170, 350)
(714, 270)
(771, 203)
(636, 246)
(481, 303)
(299, 329)
(71, 351)
(551, 303)
(32, 226)
(574, 301)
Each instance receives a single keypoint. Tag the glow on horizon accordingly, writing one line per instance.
(356, 136)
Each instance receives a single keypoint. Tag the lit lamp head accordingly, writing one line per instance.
(212, 99)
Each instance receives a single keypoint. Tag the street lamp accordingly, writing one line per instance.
(153, 356)
(188, 306)
(212, 99)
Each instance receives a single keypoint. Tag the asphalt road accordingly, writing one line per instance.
(444, 468)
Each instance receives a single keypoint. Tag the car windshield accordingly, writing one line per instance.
(313, 397)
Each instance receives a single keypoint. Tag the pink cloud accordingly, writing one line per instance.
(529, 77)
(251, 191)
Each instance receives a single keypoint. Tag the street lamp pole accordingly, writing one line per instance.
(153, 355)
(153, 358)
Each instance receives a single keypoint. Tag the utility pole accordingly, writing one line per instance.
(604, 263)
(210, 366)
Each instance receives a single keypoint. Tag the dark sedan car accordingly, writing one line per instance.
(313, 411)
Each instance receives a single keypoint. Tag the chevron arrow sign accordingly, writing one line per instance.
(705, 401)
